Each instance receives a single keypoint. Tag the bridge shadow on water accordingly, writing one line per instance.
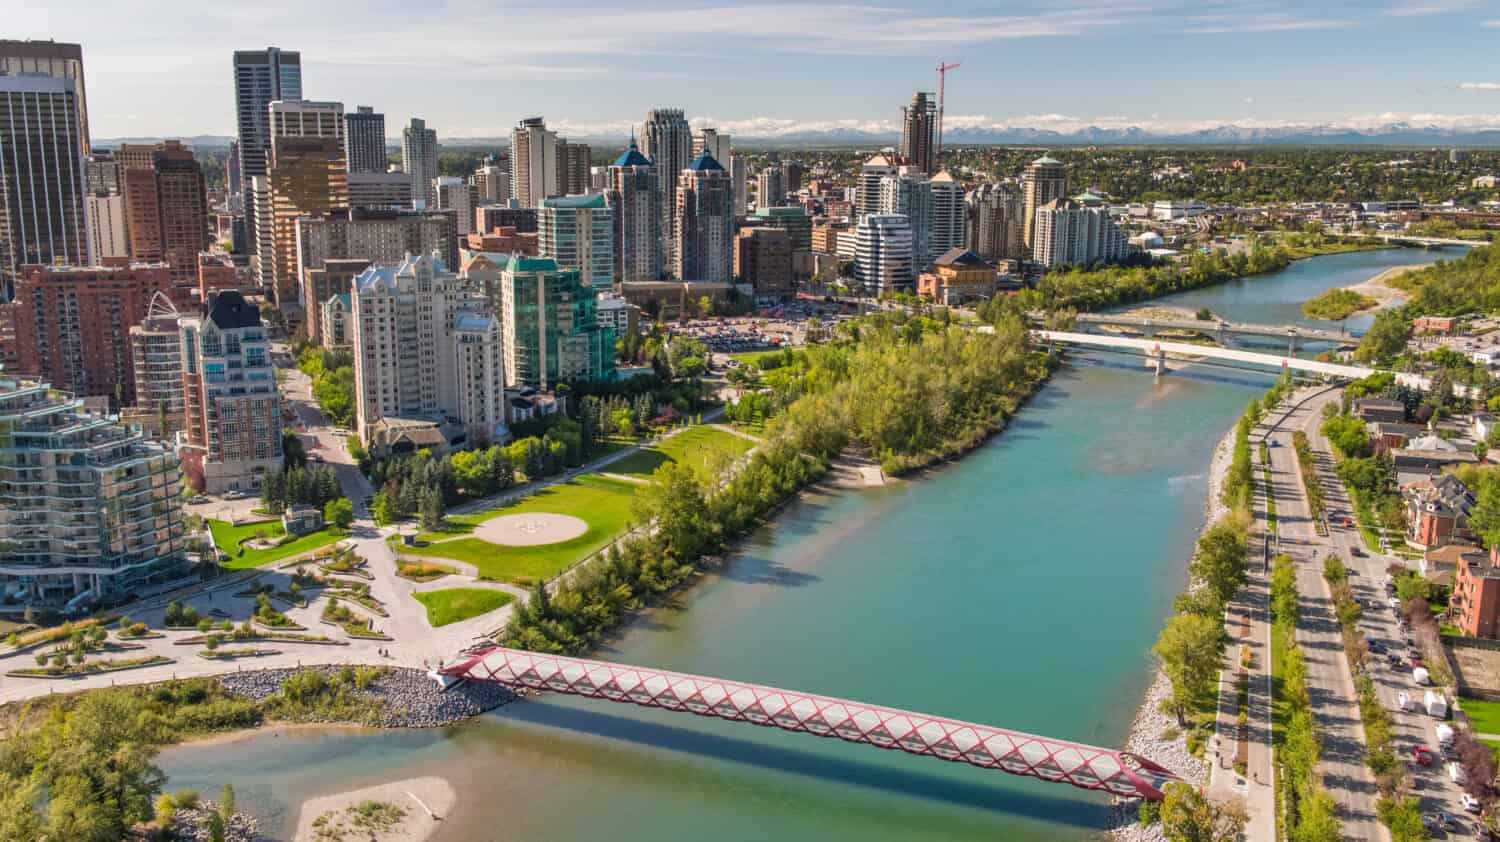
(1205, 372)
(1059, 808)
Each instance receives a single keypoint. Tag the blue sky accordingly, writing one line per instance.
(473, 68)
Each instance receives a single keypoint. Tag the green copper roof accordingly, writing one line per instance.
(518, 263)
(766, 212)
(587, 200)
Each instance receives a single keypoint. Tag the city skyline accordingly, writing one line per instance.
(598, 71)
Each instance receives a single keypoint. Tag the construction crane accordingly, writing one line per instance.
(942, 70)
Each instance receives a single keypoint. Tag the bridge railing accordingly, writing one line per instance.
(1059, 761)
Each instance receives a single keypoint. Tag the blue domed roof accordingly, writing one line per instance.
(705, 161)
(632, 157)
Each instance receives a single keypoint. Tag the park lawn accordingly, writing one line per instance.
(227, 537)
(604, 504)
(454, 605)
(698, 448)
(1484, 716)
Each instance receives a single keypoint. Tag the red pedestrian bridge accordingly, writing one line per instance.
(1057, 761)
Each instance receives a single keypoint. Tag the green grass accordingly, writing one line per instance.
(1484, 716)
(456, 604)
(603, 503)
(698, 448)
(1494, 748)
(227, 537)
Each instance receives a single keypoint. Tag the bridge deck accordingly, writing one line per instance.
(1057, 761)
(1301, 333)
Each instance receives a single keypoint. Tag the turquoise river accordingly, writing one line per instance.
(1020, 587)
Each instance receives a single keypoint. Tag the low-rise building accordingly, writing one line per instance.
(1441, 325)
(1380, 409)
(1437, 512)
(1476, 596)
(299, 519)
(1390, 435)
(958, 276)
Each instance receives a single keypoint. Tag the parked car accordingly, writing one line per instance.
(1455, 772)
(1394, 659)
(1393, 602)
(1471, 804)
(1357, 552)
(1375, 646)
(1421, 755)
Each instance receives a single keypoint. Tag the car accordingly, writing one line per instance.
(1421, 755)
(1393, 659)
(1393, 602)
(1357, 552)
(1375, 646)
(1348, 522)
(1447, 821)
(1471, 804)
(1455, 772)
(1430, 821)
(1273, 443)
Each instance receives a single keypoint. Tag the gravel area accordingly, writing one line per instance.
(191, 825)
(410, 698)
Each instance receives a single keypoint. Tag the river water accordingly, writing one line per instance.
(1021, 587)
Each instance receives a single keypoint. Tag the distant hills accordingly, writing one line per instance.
(1390, 134)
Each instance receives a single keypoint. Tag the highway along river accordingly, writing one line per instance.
(1021, 587)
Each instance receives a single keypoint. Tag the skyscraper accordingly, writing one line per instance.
(232, 411)
(634, 196)
(574, 166)
(535, 171)
(578, 233)
(883, 254)
(419, 160)
(867, 197)
(364, 140)
(908, 193)
(704, 224)
(42, 214)
(308, 177)
(994, 213)
(791, 176)
(1046, 179)
(919, 132)
(260, 78)
(1069, 234)
(769, 191)
(50, 58)
(667, 140)
(716, 144)
(551, 328)
(492, 182)
(947, 217)
(451, 193)
(166, 213)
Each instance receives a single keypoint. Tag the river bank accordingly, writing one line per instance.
(1379, 288)
(410, 810)
(1149, 726)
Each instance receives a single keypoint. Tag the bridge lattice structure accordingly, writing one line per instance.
(1058, 761)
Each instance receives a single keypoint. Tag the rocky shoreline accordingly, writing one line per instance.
(408, 697)
(1149, 724)
(190, 824)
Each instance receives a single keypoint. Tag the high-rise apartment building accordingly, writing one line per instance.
(867, 194)
(909, 194)
(364, 140)
(102, 172)
(578, 233)
(379, 236)
(492, 182)
(791, 176)
(1046, 179)
(42, 189)
(704, 248)
(106, 216)
(58, 60)
(575, 166)
(451, 193)
(919, 132)
(740, 179)
(634, 196)
(156, 357)
(947, 217)
(535, 172)
(883, 254)
(261, 77)
(232, 411)
(406, 334)
(551, 329)
(308, 177)
(667, 140)
(769, 192)
(419, 160)
(763, 259)
(71, 325)
(994, 219)
(166, 211)
(91, 509)
(332, 279)
(1071, 234)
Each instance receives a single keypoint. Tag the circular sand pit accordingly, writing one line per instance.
(530, 530)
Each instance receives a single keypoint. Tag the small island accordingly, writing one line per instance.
(1337, 304)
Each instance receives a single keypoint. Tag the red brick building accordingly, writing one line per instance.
(166, 212)
(1476, 597)
(70, 326)
(1437, 512)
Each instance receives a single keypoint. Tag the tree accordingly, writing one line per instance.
(1348, 434)
(432, 509)
(674, 504)
(293, 455)
(1220, 560)
(339, 513)
(1187, 815)
(1386, 337)
(1189, 648)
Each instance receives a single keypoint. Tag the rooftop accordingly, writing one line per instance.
(586, 200)
(230, 310)
(705, 162)
(632, 157)
(960, 257)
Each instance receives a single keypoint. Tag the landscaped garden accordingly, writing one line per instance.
(601, 503)
(699, 447)
(454, 605)
(228, 538)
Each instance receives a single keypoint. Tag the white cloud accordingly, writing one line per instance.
(1255, 22)
(1480, 86)
(1422, 8)
(1491, 24)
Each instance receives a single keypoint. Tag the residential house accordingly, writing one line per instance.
(1437, 512)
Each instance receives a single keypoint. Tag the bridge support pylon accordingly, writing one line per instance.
(1159, 360)
(1291, 349)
